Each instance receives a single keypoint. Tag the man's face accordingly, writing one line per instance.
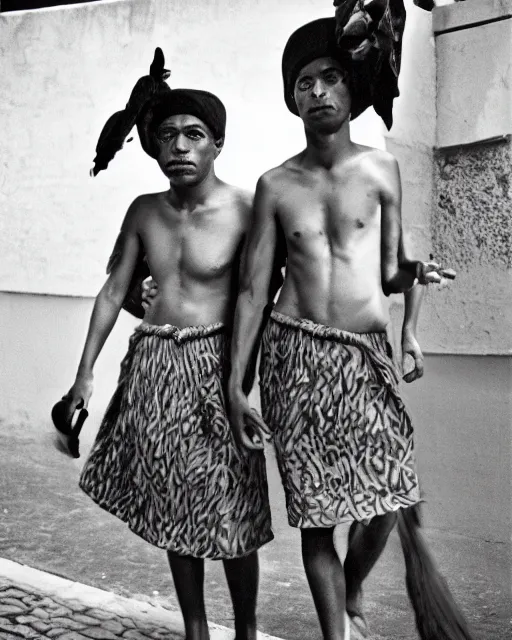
(187, 149)
(322, 95)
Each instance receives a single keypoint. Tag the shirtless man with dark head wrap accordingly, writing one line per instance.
(329, 388)
(165, 460)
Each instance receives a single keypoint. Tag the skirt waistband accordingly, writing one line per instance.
(325, 332)
(180, 334)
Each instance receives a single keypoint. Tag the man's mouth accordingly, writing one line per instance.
(320, 108)
(178, 164)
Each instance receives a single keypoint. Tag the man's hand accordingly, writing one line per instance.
(246, 423)
(79, 393)
(431, 272)
(149, 292)
(411, 348)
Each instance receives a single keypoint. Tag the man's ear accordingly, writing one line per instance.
(219, 143)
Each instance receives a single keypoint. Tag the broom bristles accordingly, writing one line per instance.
(437, 615)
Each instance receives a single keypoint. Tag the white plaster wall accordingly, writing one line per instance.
(64, 71)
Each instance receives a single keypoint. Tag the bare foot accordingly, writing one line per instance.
(354, 602)
(249, 633)
(346, 635)
(355, 613)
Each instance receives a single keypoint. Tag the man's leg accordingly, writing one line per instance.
(242, 575)
(326, 580)
(188, 576)
(365, 545)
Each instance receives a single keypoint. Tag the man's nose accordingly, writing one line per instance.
(319, 89)
(181, 143)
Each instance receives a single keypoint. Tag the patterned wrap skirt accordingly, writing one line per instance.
(343, 438)
(165, 460)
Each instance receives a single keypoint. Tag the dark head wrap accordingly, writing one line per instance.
(366, 37)
(151, 102)
(194, 102)
(314, 40)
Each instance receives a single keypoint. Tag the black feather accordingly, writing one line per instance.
(119, 125)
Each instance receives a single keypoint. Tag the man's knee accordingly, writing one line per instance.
(389, 520)
(384, 524)
(317, 539)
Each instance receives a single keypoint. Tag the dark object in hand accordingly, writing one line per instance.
(67, 431)
(448, 273)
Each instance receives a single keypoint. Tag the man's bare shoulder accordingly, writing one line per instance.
(234, 201)
(242, 197)
(142, 208)
(377, 167)
(380, 158)
(283, 173)
(147, 201)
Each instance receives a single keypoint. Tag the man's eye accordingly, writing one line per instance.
(195, 135)
(164, 136)
(304, 85)
(332, 78)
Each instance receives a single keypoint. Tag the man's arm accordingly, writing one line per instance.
(107, 306)
(275, 284)
(413, 297)
(395, 279)
(410, 345)
(134, 299)
(398, 274)
(255, 283)
(413, 300)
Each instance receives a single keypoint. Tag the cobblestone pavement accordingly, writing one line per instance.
(35, 604)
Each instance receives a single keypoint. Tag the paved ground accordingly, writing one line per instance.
(34, 604)
(47, 523)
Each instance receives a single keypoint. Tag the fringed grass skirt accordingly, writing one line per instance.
(165, 461)
(343, 439)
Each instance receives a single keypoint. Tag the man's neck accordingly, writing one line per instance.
(187, 199)
(329, 149)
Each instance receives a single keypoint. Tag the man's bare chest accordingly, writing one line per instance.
(316, 215)
(202, 248)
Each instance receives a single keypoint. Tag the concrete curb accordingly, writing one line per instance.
(64, 589)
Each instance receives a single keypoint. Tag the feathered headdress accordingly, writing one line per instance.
(119, 125)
